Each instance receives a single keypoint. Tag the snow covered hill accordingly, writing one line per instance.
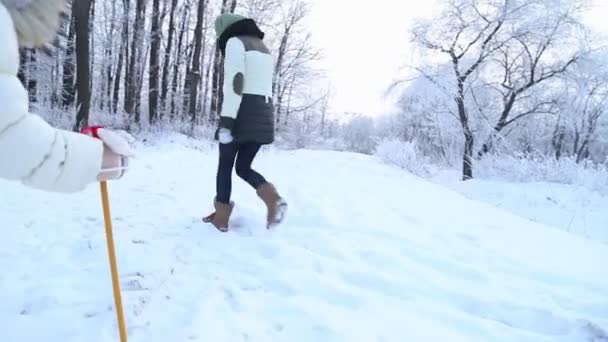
(367, 253)
(568, 207)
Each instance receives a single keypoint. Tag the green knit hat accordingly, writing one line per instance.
(224, 20)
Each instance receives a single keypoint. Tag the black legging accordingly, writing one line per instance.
(244, 153)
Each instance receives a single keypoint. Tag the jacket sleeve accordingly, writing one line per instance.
(234, 80)
(35, 153)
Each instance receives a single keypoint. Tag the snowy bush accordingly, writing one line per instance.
(358, 134)
(521, 168)
(299, 134)
(540, 168)
(405, 155)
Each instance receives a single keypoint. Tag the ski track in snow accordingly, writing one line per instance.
(367, 253)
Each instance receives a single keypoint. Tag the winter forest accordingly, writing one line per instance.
(508, 80)
(438, 171)
(156, 64)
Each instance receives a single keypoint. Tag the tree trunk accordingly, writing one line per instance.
(177, 63)
(210, 117)
(500, 124)
(583, 152)
(82, 12)
(187, 81)
(123, 56)
(469, 139)
(216, 81)
(467, 157)
(56, 85)
(195, 72)
(107, 85)
(32, 83)
(108, 62)
(558, 141)
(154, 62)
(276, 84)
(117, 78)
(21, 74)
(166, 66)
(289, 94)
(577, 137)
(68, 93)
(92, 40)
(217, 77)
(131, 91)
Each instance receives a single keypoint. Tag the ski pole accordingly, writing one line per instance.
(105, 200)
(113, 265)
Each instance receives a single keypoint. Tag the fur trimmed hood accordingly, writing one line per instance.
(36, 21)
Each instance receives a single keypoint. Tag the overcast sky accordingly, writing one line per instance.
(366, 42)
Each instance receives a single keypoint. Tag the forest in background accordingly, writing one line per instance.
(502, 83)
(155, 65)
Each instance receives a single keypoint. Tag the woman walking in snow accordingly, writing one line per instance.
(31, 151)
(246, 117)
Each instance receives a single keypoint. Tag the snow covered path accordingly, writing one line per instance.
(367, 253)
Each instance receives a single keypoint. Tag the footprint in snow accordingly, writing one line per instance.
(91, 219)
(513, 315)
(531, 319)
(230, 298)
(376, 283)
(269, 250)
(447, 267)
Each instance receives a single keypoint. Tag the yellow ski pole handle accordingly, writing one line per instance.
(113, 265)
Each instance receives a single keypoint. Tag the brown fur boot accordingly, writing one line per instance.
(220, 217)
(275, 204)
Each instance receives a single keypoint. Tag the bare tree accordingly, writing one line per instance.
(168, 50)
(107, 68)
(325, 108)
(528, 61)
(177, 62)
(82, 11)
(155, 36)
(218, 65)
(586, 98)
(69, 65)
(262, 11)
(179, 57)
(504, 45)
(123, 57)
(27, 72)
(468, 35)
(195, 72)
(133, 71)
(293, 56)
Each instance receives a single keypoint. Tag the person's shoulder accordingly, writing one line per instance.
(235, 45)
(235, 42)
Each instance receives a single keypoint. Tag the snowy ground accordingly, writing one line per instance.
(367, 253)
(572, 208)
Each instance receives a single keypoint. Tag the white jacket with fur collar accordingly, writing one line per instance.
(31, 151)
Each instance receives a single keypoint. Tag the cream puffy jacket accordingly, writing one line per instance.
(31, 151)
